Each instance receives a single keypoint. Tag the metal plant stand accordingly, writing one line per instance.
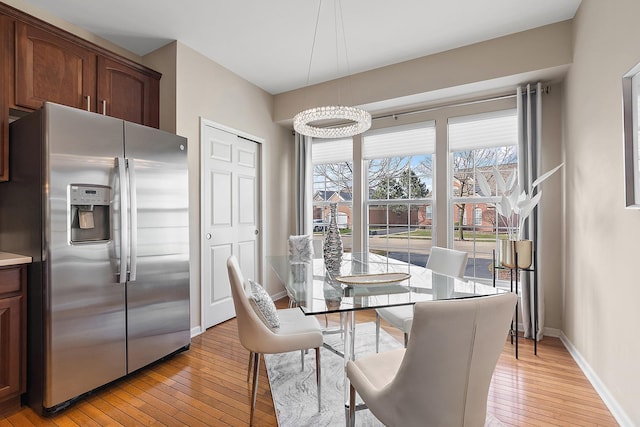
(514, 275)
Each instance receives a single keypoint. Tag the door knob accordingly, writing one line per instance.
(256, 232)
(208, 236)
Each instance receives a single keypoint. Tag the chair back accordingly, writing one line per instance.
(447, 261)
(301, 248)
(253, 333)
(444, 377)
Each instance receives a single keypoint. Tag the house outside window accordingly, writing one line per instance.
(332, 183)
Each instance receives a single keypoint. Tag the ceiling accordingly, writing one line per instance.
(269, 43)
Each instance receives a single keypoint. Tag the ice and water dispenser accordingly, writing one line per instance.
(89, 209)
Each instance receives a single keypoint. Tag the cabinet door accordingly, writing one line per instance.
(5, 40)
(127, 93)
(10, 346)
(49, 68)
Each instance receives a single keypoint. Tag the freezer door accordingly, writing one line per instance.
(158, 289)
(85, 326)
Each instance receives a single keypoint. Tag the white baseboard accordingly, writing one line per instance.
(552, 332)
(616, 410)
(279, 295)
(196, 330)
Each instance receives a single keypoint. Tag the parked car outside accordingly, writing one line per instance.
(320, 225)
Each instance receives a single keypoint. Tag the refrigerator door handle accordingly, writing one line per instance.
(124, 241)
(133, 248)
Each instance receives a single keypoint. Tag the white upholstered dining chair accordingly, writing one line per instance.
(294, 330)
(301, 252)
(449, 262)
(442, 378)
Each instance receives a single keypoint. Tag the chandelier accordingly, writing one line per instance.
(357, 119)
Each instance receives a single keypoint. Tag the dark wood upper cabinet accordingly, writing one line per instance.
(127, 94)
(5, 72)
(40, 62)
(50, 68)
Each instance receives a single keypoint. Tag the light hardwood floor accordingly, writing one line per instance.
(206, 386)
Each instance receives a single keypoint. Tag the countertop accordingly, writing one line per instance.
(8, 259)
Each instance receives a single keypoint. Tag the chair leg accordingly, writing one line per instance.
(302, 359)
(318, 376)
(406, 339)
(250, 365)
(352, 406)
(254, 392)
(378, 332)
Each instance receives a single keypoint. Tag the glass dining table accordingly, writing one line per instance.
(366, 281)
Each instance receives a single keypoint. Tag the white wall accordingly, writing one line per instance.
(602, 288)
(540, 53)
(164, 60)
(550, 269)
(205, 89)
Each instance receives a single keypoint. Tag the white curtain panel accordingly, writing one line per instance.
(303, 184)
(529, 107)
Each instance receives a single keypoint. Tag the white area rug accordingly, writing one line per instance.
(294, 392)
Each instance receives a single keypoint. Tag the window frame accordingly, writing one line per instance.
(442, 234)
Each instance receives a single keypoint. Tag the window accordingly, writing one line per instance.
(477, 216)
(400, 189)
(478, 144)
(401, 180)
(332, 183)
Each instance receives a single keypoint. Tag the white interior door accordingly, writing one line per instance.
(230, 216)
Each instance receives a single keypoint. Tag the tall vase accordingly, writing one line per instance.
(507, 254)
(332, 248)
(508, 250)
(524, 249)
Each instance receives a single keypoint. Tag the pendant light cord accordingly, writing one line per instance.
(313, 45)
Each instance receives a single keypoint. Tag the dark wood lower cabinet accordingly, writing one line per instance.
(12, 337)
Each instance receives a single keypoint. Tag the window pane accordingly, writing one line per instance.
(479, 240)
(400, 188)
(475, 149)
(332, 183)
(401, 231)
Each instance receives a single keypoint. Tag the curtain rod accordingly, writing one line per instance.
(545, 90)
(441, 107)
(451, 105)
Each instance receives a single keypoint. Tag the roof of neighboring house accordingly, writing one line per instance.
(326, 195)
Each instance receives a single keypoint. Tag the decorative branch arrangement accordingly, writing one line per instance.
(515, 204)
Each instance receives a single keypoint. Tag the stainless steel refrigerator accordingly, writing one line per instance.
(102, 207)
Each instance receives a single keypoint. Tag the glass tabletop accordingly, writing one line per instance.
(366, 281)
